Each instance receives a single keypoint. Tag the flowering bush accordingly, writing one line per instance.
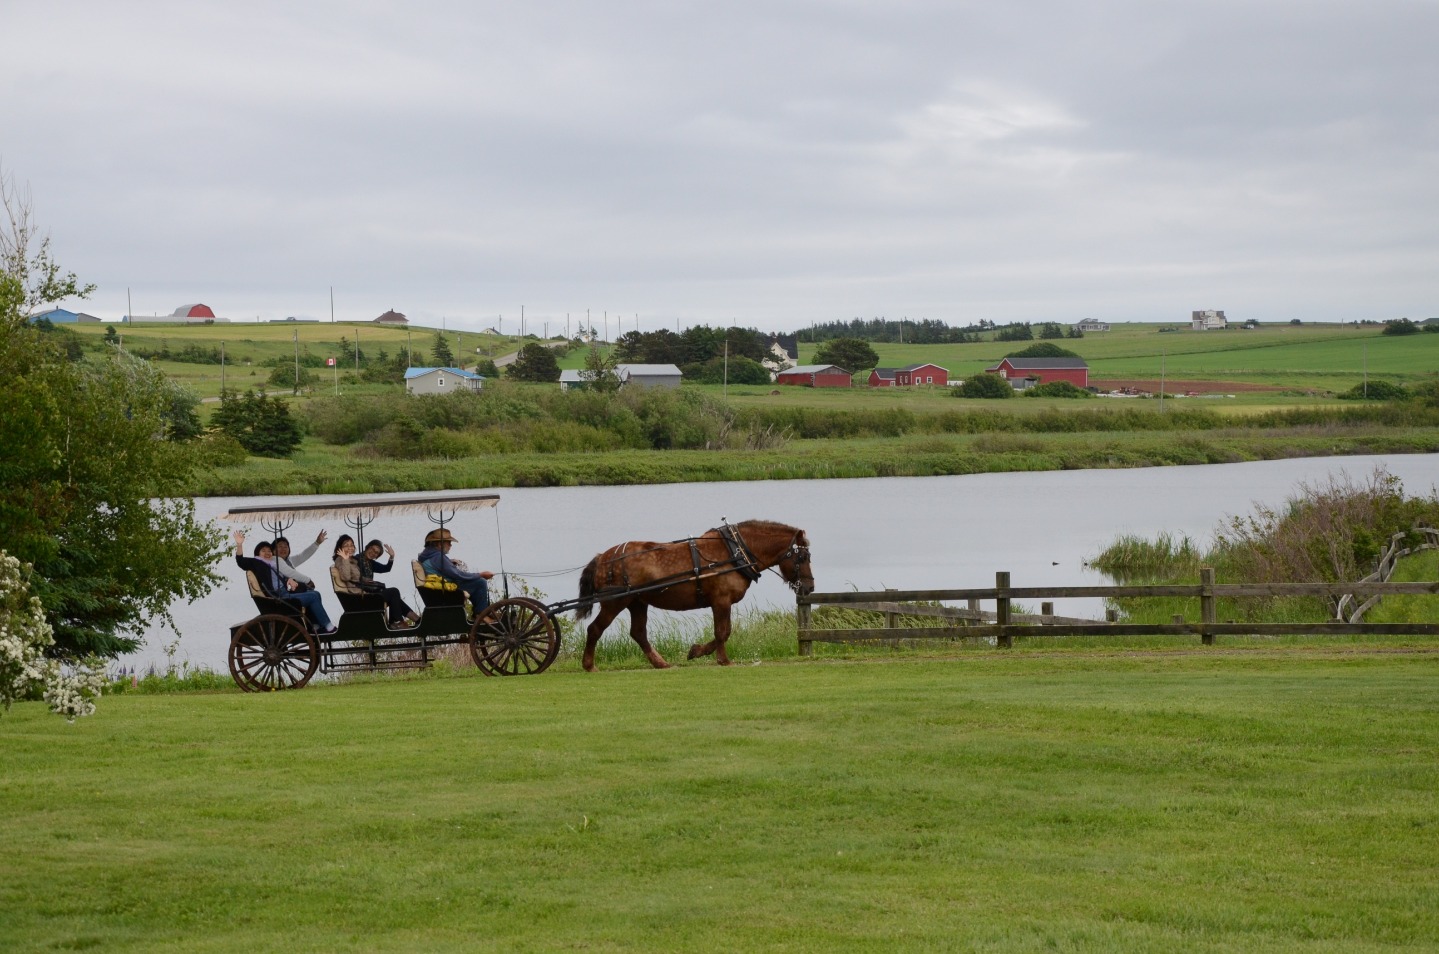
(24, 634)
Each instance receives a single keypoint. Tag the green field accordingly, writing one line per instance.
(1233, 800)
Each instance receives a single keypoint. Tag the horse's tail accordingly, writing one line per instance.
(587, 591)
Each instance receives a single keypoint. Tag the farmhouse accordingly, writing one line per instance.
(1207, 320)
(441, 380)
(1043, 370)
(908, 376)
(392, 317)
(648, 375)
(1091, 324)
(815, 376)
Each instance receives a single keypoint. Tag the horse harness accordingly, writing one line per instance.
(741, 560)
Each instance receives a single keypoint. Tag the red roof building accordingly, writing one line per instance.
(193, 311)
(1044, 370)
(815, 376)
(908, 376)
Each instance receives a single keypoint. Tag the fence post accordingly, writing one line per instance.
(1208, 616)
(1046, 609)
(802, 623)
(974, 608)
(1001, 607)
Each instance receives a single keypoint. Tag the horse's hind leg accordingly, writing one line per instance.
(639, 615)
(607, 614)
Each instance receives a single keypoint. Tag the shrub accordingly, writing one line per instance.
(1057, 389)
(985, 385)
(1374, 391)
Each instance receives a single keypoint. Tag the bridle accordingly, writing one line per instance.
(799, 554)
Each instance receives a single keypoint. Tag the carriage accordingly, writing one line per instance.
(281, 648)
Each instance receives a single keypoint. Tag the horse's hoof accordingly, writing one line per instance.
(695, 651)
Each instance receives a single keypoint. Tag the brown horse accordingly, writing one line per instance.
(713, 570)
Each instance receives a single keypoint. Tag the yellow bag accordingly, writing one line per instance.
(434, 581)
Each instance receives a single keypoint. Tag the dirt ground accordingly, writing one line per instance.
(1181, 387)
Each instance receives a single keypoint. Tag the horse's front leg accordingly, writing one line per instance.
(722, 627)
(639, 615)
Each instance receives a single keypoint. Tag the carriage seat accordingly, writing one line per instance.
(268, 604)
(355, 602)
(435, 590)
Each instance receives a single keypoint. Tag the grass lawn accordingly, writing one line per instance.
(1239, 800)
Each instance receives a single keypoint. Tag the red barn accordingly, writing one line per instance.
(907, 376)
(192, 311)
(815, 376)
(1073, 370)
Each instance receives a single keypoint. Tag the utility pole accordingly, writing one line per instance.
(409, 351)
(222, 369)
(357, 353)
(297, 360)
(332, 314)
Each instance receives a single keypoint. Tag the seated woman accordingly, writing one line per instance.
(286, 564)
(277, 586)
(356, 578)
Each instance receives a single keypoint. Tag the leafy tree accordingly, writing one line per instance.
(1051, 330)
(24, 670)
(1374, 391)
(535, 362)
(111, 335)
(600, 370)
(848, 353)
(985, 385)
(1019, 331)
(283, 376)
(1057, 389)
(1401, 326)
(260, 422)
(1042, 349)
(444, 357)
(741, 370)
(486, 368)
(25, 256)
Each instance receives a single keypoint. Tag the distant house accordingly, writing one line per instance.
(815, 376)
(1207, 320)
(648, 375)
(1091, 324)
(1018, 371)
(783, 353)
(908, 376)
(56, 316)
(392, 317)
(441, 380)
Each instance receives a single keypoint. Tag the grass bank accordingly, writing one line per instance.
(1239, 801)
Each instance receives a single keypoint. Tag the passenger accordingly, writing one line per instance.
(435, 559)
(356, 578)
(287, 565)
(277, 586)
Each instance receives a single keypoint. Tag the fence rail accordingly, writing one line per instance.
(1004, 625)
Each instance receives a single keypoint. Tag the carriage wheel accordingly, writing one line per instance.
(273, 652)
(514, 637)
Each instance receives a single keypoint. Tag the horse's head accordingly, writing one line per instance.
(794, 565)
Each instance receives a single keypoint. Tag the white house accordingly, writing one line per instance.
(1207, 320)
(649, 375)
(441, 380)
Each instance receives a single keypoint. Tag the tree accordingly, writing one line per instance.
(1051, 330)
(535, 362)
(39, 279)
(260, 422)
(1057, 389)
(24, 670)
(848, 353)
(1042, 349)
(92, 475)
(1019, 331)
(486, 368)
(739, 370)
(1401, 326)
(600, 370)
(111, 335)
(985, 385)
(444, 358)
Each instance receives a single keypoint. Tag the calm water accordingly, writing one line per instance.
(905, 533)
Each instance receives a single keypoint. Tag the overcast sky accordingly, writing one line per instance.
(769, 163)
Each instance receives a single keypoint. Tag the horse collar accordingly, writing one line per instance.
(740, 554)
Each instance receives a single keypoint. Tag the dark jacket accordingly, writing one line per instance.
(268, 576)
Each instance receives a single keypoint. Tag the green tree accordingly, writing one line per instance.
(1057, 389)
(1051, 330)
(1019, 331)
(1401, 326)
(25, 257)
(851, 354)
(985, 385)
(740, 370)
(260, 422)
(600, 370)
(444, 357)
(1042, 349)
(486, 368)
(111, 335)
(535, 362)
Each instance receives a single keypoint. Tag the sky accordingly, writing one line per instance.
(771, 164)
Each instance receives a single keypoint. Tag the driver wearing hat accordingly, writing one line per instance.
(435, 558)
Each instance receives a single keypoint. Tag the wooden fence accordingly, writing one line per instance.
(1003, 625)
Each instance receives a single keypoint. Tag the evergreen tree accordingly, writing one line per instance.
(535, 362)
(260, 422)
(444, 358)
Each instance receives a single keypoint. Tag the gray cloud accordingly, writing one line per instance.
(772, 163)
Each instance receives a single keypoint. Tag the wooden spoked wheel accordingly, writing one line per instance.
(514, 637)
(273, 652)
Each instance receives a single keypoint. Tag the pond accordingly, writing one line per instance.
(902, 533)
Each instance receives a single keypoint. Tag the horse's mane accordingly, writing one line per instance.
(774, 525)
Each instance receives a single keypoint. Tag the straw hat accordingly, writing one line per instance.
(439, 536)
